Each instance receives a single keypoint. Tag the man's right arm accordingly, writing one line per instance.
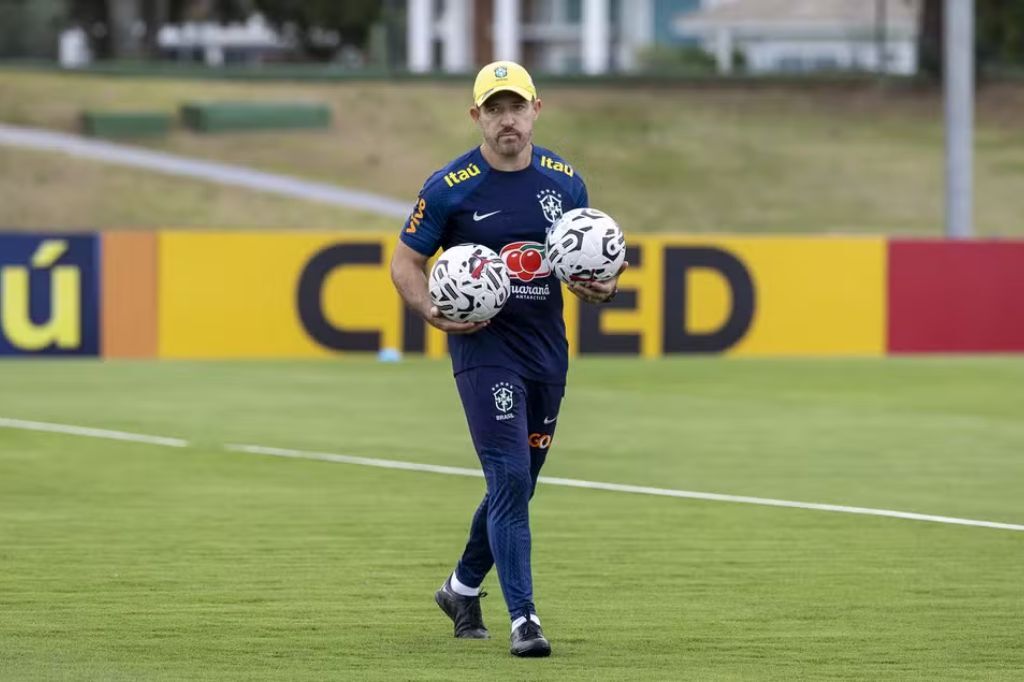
(409, 273)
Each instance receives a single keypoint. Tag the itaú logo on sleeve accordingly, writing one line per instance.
(525, 261)
(417, 215)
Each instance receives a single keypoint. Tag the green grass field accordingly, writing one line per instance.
(124, 561)
(850, 159)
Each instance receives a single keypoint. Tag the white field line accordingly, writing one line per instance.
(221, 173)
(476, 473)
(26, 425)
(621, 488)
(349, 459)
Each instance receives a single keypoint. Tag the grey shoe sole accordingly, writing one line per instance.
(535, 650)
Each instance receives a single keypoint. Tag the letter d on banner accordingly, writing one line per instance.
(678, 263)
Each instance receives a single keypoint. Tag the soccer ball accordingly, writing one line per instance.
(584, 245)
(469, 283)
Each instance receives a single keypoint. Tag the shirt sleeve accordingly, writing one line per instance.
(424, 228)
(581, 199)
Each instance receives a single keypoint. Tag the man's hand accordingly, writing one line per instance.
(435, 318)
(598, 292)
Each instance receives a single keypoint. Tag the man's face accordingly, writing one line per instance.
(506, 122)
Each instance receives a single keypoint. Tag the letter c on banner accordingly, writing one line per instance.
(310, 295)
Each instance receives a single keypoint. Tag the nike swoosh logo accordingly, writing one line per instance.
(551, 421)
(477, 217)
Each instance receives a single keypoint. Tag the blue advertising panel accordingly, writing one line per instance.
(49, 294)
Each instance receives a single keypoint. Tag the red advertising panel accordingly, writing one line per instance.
(956, 296)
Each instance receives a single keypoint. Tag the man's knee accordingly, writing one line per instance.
(509, 482)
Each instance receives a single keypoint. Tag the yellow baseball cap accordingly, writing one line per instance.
(498, 76)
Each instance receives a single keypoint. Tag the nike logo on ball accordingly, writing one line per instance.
(477, 217)
(551, 420)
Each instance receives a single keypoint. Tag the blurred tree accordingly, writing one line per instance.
(999, 34)
(316, 20)
(155, 13)
(209, 10)
(683, 59)
(1000, 31)
(929, 40)
(91, 15)
(127, 32)
(29, 28)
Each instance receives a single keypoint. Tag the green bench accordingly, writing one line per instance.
(126, 123)
(214, 117)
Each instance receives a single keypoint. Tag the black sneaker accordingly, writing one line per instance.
(528, 640)
(464, 612)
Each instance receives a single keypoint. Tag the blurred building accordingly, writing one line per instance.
(602, 36)
(786, 36)
(589, 36)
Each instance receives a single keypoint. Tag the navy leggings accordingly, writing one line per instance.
(512, 422)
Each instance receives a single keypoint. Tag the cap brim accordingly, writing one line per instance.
(522, 92)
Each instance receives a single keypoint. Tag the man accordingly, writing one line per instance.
(510, 371)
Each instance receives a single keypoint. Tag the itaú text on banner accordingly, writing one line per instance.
(317, 294)
(49, 294)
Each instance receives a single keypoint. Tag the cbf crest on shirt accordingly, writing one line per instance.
(510, 212)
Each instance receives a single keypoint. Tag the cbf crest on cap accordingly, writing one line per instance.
(500, 76)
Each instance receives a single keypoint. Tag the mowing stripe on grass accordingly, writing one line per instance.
(621, 488)
(476, 473)
(48, 427)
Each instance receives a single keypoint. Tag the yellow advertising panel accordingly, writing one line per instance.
(275, 294)
(811, 296)
(316, 294)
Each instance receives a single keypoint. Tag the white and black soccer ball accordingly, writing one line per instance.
(469, 283)
(585, 245)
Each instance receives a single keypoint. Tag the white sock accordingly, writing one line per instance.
(464, 590)
(522, 619)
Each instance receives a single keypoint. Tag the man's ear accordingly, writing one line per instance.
(474, 113)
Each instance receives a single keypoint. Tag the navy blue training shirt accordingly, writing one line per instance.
(510, 212)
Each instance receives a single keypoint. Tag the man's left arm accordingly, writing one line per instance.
(593, 292)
